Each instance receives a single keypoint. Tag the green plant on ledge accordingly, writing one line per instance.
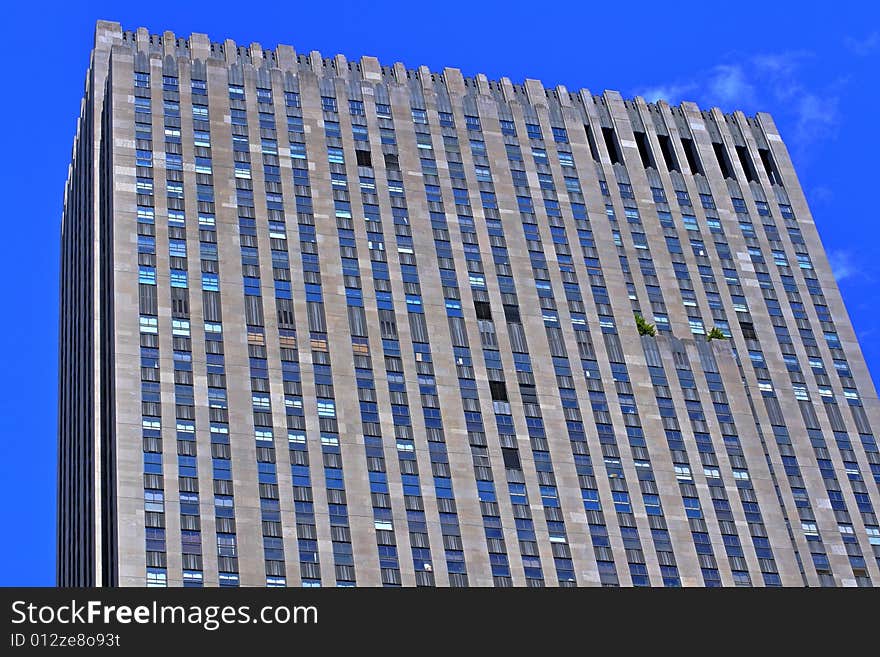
(644, 327)
(715, 334)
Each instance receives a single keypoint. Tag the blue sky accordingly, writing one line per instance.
(816, 72)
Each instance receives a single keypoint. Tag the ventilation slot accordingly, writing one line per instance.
(668, 155)
(690, 152)
(723, 160)
(770, 166)
(746, 160)
(592, 142)
(644, 150)
(612, 145)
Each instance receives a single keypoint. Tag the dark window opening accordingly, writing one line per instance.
(511, 458)
(690, 152)
(723, 160)
(498, 390)
(594, 151)
(748, 330)
(179, 306)
(644, 150)
(484, 310)
(746, 160)
(364, 159)
(511, 313)
(770, 166)
(391, 161)
(668, 155)
(612, 146)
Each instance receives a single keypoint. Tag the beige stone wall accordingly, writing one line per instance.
(551, 107)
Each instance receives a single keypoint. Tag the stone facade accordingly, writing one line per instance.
(490, 415)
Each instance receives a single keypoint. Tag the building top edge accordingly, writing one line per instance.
(285, 57)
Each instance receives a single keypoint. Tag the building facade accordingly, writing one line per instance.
(333, 323)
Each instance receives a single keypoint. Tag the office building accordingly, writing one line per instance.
(337, 323)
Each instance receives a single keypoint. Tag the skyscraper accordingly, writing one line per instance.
(333, 323)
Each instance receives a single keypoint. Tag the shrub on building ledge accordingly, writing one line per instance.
(644, 327)
(715, 334)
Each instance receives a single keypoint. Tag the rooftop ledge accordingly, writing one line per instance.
(284, 57)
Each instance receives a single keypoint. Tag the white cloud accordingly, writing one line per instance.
(761, 82)
(729, 86)
(865, 46)
(815, 114)
(724, 85)
(672, 94)
(816, 117)
(842, 264)
(781, 63)
(821, 194)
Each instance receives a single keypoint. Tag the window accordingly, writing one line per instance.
(692, 507)
(621, 502)
(739, 205)
(359, 132)
(174, 162)
(326, 408)
(228, 579)
(683, 473)
(157, 577)
(331, 129)
(800, 393)
(203, 165)
(658, 194)
(147, 275)
(178, 278)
